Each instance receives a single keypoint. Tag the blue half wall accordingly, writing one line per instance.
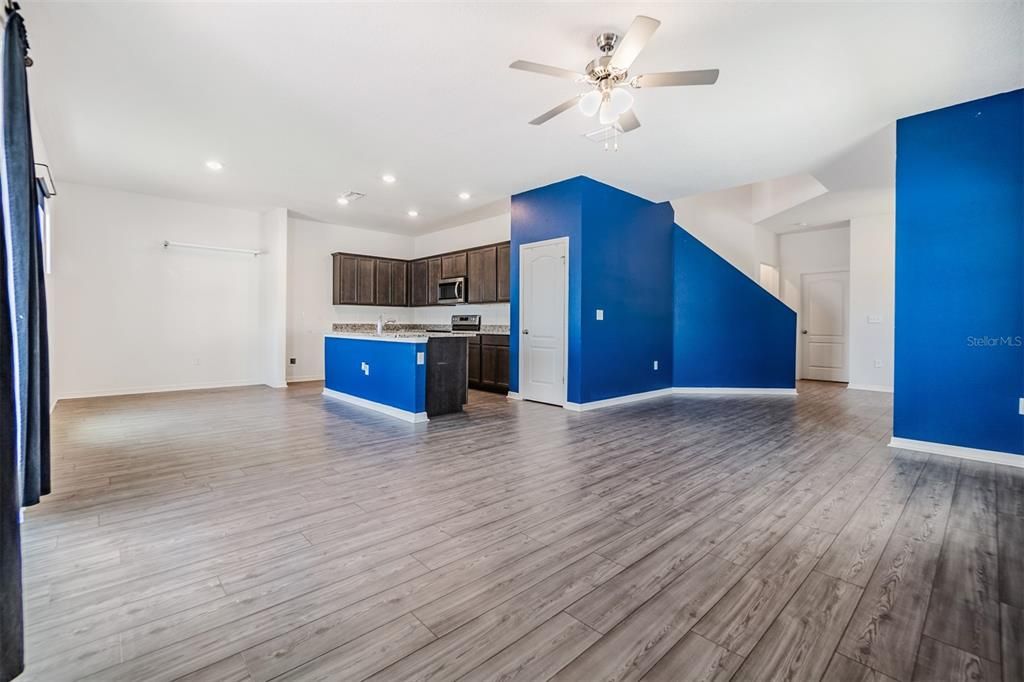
(959, 370)
(729, 331)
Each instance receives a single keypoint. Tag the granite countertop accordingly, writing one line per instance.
(364, 329)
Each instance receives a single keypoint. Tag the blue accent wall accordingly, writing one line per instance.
(959, 369)
(540, 214)
(627, 273)
(729, 331)
(394, 380)
(665, 297)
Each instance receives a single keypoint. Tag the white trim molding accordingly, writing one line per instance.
(405, 415)
(686, 390)
(512, 395)
(990, 456)
(114, 392)
(878, 388)
(621, 400)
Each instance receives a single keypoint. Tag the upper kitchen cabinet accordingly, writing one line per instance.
(366, 272)
(399, 283)
(482, 277)
(391, 282)
(354, 281)
(433, 277)
(418, 282)
(453, 265)
(368, 280)
(504, 265)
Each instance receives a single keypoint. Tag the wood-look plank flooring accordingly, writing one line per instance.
(259, 534)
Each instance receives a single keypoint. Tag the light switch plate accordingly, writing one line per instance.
(1020, 408)
(419, 357)
(600, 314)
(879, 363)
(655, 364)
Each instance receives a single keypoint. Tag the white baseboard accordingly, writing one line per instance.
(974, 454)
(413, 417)
(512, 395)
(878, 388)
(620, 400)
(685, 390)
(311, 377)
(142, 390)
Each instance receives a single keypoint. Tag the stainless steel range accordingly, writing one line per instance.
(465, 323)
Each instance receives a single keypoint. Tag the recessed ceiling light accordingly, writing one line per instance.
(463, 195)
(388, 178)
(343, 201)
(214, 165)
(413, 213)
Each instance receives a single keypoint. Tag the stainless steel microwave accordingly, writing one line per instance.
(451, 290)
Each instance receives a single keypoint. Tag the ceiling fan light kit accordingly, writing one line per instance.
(608, 75)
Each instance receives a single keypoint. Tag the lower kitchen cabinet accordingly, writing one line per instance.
(489, 362)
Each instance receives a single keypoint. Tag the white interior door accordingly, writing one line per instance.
(824, 334)
(543, 298)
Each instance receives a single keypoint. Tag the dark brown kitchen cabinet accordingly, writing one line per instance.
(433, 277)
(366, 273)
(481, 280)
(504, 290)
(344, 279)
(418, 282)
(453, 265)
(369, 280)
(489, 362)
(399, 283)
(474, 361)
(383, 282)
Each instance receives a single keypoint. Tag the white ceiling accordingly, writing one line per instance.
(302, 102)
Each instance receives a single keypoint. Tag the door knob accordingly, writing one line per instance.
(804, 331)
(526, 331)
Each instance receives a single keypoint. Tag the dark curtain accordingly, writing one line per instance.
(24, 371)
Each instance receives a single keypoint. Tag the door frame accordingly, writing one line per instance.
(565, 315)
(846, 325)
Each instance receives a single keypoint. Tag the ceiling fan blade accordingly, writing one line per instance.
(669, 78)
(555, 71)
(640, 31)
(551, 113)
(628, 121)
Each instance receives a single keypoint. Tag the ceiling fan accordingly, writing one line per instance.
(609, 77)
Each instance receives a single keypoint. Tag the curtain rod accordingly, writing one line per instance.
(186, 245)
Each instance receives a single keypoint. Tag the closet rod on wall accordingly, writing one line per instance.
(186, 245)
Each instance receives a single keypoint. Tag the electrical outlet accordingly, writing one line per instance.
(291, 361)
(874, 319)
(655, 364)
(600, 314)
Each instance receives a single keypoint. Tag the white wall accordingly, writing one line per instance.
(872, 274)
(808, 252)
(722, 221)
(477, 233)
(273, 295)
(127, 315)
(310, 307)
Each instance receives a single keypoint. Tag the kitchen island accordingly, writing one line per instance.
(411, 377)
